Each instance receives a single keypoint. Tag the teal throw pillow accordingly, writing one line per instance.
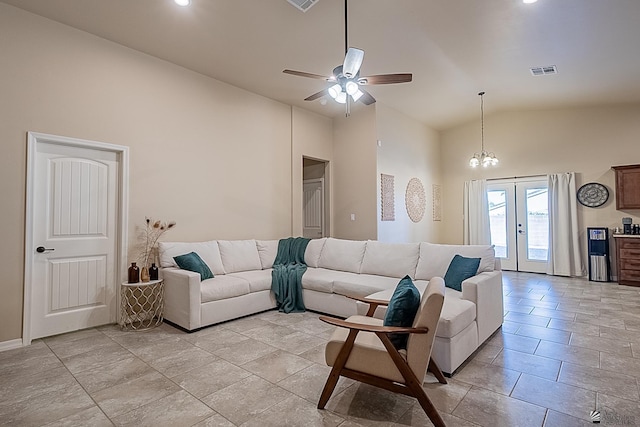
(459, 270)
(193, 262)
(402, 309)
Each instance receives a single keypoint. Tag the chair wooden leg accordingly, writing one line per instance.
(435, 370)
(338, 365)
(428, 407)
(412, 382)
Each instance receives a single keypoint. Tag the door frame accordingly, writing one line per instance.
(323, 210)
(122, 216)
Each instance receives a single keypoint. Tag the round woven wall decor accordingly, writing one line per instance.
(415, 200)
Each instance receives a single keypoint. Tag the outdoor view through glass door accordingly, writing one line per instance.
(519, 216)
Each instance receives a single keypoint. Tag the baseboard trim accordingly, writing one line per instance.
(11, 344)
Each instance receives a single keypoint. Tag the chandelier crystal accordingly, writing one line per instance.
(484, 158)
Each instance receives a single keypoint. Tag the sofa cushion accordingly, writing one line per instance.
(342, 255)
(402, 309)
(390, 259)
(435, 259)
(312, 254)
(460, 269)
(267, 251)
(223, 287)
(239, 255)
(363, 284)
(321, 279)
(208, 251)
(193, 262)
(259, 280)
(456, 315)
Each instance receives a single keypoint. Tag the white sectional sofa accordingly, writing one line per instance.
(335, 268)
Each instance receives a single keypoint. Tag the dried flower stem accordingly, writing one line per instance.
(153, 231)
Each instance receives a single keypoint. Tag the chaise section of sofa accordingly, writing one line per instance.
(336, 270)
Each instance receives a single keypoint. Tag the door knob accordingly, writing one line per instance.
(41, 249)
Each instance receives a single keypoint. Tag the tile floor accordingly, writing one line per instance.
(567, 346)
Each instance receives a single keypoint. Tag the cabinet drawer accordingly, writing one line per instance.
(629, 264)
(630, 253)
(630, 244)
(629, 275)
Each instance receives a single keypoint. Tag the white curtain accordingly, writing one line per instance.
(564, 242)
(477, 229)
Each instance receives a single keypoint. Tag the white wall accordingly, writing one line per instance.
(587, 141)
(354, 175)
(409, 149)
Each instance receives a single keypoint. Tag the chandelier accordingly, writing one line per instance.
(484, 158)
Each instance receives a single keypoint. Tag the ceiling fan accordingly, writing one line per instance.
(345, 82)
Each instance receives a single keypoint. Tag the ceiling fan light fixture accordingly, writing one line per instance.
(341, 98)
(351, 87)
(182, 2)
(357, 95)
(334, 91)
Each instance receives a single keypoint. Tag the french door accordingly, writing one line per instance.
(519, 215)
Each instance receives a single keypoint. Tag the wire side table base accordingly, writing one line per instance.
(141, 305)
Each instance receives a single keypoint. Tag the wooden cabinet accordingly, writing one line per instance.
(627, 186)
(628, 255)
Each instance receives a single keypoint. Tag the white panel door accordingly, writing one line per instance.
(74, 268)
(313, 208)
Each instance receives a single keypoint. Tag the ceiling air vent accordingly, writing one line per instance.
(544, 71)
(303, 5)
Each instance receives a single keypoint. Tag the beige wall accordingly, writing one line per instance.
(312, 136)
(587, 141)
(354, 175)
(408, 149)
(214, 158)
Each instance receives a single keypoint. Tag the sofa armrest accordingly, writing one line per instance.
(485, 290)
(182, 297)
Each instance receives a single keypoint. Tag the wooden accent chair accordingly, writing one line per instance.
(360, 349)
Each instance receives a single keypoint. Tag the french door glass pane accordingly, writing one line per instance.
(537, 224)
(498, 220)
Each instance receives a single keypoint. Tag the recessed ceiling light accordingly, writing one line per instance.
(529, 1)
(182, 2)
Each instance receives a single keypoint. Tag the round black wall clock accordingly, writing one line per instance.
(593, 195)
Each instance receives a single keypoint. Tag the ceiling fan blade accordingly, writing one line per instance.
(304, 74)
(385, 79)
(352, 62)
(316, 95)
(366, 97)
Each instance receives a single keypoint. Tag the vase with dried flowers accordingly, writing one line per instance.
(149, 239)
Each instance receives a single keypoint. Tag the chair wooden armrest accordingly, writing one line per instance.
(373, 303)
(373, 328)
(368, 300)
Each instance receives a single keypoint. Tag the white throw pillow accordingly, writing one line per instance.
(239, 255)
(435, 259)
(267, 250)
(390, 259)
(208, 251)
(314, 249)
(342, 255)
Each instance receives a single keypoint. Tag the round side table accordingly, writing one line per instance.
(141, 305)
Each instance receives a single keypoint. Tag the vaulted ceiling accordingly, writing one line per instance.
(454, 48)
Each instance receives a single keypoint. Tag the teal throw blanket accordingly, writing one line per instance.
(286, 277)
